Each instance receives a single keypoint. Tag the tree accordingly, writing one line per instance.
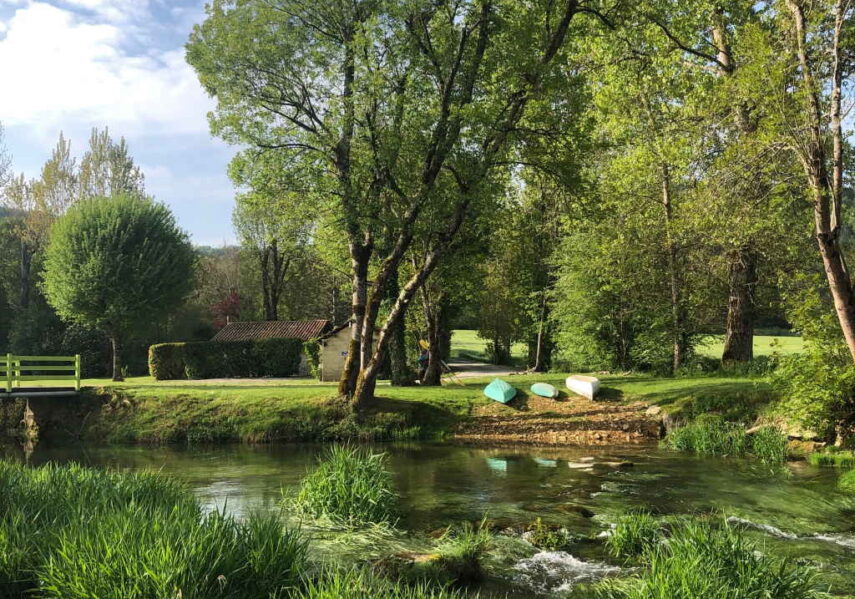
(107, 168)
(424, 99)
(273, 222)
(117, 264)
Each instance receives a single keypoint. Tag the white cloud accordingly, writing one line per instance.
(61, 70)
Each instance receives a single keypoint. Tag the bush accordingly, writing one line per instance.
(550, 538)
(633, 535)
(846, 482)
(351, 486)
(225, 359)
(166, 361)
(702, 561)
(830, 457)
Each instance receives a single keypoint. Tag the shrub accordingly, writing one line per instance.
(357, 584)
(460, 551)
(166, 361)
(701, 561)
(633, 535)
(846, 482)
(769, 445)
(709, 435)
(830, 457)
(351, 486)
(224, 359)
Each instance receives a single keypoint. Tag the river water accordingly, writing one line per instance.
(797, 512)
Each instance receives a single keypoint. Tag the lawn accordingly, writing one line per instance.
(764, 345)
(144, 410)
(467, 345)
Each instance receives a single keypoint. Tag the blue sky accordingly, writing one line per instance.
(70, 65)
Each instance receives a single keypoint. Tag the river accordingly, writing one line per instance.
(797, 512)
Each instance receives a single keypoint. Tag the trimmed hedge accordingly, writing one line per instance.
(225, 359)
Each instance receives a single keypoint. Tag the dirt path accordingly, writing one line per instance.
(569, 420)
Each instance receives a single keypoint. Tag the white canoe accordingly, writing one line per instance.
(586, 386)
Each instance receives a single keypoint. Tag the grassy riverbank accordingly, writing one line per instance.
(142, 410)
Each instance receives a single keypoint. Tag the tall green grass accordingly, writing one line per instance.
(712, 435)
(830, 457)
(461, 550)
(88, 533)
(703, 560)
(358, 584)
(633, 535)
(351, 486)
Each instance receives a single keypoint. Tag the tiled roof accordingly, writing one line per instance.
(272, 329)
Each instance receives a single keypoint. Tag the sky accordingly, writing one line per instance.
(71, 65)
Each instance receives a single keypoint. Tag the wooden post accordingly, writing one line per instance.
(8, 373)
(77, 372)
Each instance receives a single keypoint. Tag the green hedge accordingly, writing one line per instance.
(225, 359)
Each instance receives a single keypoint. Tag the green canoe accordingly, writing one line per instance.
(544, 390)
(500, 391)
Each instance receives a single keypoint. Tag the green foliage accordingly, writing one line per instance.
(312, 351)
(461, 550)
(817, 387)
(713, 435)
(351, 486)
(709, 435)
(550, 538)
(633, 535)
(358, 584)
(769, 445)
(702, 560)
(117, 264)
(846, 482)
(832, 457)
(76, 533)
(225, 359)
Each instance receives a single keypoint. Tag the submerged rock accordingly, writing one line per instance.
(571, 508)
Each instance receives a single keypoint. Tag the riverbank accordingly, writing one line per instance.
(630, 409)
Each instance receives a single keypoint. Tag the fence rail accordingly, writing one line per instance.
(17, 369)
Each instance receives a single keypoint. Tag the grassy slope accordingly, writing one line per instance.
(143, 410)
(466, 344)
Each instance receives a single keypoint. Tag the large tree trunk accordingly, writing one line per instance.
(826, 188)
(359, 258)
(739, 333)
(434, 318)
(116, 341)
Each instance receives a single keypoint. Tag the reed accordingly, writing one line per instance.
(87, 533)
(709, 436)
(831, 457)
(634, 534)
(702, 560)
(351, 486)
(769, 445)
(461, 551)
(358, 584)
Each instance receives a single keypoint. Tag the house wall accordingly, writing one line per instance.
(333, 355)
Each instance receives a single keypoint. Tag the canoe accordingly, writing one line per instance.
(544, 390)
(500, 391)
(586, 386)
